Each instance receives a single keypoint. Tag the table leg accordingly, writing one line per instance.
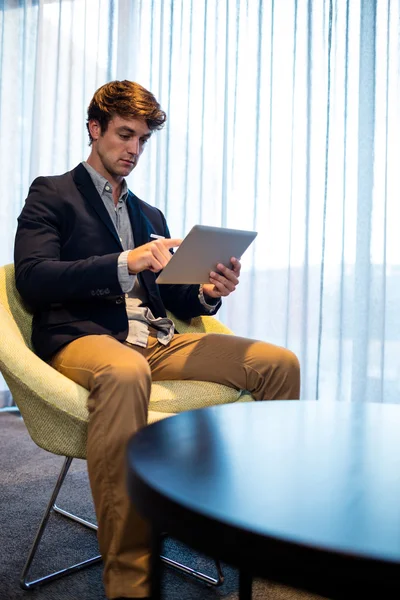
(245, 585)
(155, 564)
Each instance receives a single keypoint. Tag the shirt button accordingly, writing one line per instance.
(108, 188)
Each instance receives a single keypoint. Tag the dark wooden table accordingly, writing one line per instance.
(303, 493)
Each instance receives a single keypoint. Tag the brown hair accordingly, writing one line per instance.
(126, 99)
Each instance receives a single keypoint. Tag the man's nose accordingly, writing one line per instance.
(134, 145)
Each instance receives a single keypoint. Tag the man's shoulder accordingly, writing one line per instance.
(56, 180)
(53, 190)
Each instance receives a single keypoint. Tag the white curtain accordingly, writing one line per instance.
(283, 118)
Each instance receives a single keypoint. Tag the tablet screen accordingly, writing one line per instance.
(200, 252)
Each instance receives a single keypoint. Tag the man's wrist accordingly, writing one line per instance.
(125, 278)
(207, 301)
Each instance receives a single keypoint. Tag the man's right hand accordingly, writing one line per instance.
(152, 256)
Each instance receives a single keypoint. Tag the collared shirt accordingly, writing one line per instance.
(139, 317)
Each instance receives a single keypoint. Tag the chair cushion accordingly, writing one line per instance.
(176, 396)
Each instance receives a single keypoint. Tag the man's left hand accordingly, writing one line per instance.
(224, 282)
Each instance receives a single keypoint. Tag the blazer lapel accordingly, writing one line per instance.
(142, 228)
(86, 187)
(140, 225)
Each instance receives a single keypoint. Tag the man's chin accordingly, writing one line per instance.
(125, 169)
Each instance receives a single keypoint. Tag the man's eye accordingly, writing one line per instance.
(124, 137)
(144, 141)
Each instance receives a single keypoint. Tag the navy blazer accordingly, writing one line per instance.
(66, 255)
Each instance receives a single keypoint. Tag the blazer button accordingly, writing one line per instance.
(119, 300)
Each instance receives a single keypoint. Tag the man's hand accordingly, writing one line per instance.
(152, 256)
(225, 283)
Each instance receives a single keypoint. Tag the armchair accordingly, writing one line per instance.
(54, 408)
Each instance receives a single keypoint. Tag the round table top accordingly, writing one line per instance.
(279, 476)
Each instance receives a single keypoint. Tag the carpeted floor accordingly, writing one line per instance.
(27, 477)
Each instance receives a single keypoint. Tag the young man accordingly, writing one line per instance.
(86, 262)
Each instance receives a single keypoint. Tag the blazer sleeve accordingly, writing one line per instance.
(44, 273)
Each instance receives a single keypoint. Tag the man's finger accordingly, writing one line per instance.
(227, 274)
(236, 264)
(171, 242)
(161, 253)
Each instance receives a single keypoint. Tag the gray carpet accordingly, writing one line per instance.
(27, 476)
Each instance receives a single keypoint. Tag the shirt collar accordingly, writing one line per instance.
(101, 183)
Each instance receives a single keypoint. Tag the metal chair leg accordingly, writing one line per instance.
(208, 579)
(212, 581)
(29, 585)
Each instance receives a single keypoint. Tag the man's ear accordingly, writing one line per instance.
(95, 129)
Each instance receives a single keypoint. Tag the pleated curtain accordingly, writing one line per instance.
(283, 117)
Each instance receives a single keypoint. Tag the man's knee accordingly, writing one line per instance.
(128, 371)
(288, 362)
(279, 371)
(288, 369)
(124, 380)
(267, 355)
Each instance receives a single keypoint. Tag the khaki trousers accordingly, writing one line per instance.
(118, 377)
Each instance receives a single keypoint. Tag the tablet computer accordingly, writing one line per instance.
(200, 252)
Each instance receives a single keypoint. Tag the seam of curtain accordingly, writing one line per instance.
(322, 275)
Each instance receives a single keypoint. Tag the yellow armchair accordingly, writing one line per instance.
(54, 408)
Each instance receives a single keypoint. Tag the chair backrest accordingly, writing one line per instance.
(13, 303)
(53, 407)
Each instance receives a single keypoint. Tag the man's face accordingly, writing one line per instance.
(118, 149)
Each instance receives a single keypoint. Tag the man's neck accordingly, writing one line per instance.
(116, 182)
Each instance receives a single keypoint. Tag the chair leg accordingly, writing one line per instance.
(208, 579)
(29, 585)
(212, 581)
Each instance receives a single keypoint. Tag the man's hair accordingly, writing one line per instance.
(125, 99)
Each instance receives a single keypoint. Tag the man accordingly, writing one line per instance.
(86, 261)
